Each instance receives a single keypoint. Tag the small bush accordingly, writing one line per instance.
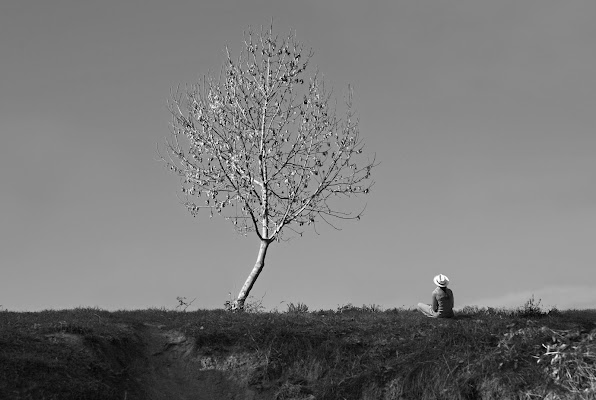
(297, 308)
(531, 309)
(346, 308)
(372, 308)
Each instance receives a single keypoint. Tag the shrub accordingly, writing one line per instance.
(531, 309)
(297, 308)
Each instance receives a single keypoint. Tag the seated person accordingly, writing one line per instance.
(442, 300)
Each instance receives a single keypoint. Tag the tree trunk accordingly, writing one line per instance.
(252, 278)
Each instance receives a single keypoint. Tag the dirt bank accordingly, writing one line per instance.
(173, 368)
(125, 361)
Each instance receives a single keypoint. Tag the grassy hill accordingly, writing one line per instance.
(347, 353)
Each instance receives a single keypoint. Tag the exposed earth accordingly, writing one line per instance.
(144, 362)
(171, 368)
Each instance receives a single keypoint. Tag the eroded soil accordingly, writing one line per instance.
(173, 368)
(141, 362)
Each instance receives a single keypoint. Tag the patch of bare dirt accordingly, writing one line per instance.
(174, 368)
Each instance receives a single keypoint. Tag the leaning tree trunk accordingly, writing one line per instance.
(252, 278)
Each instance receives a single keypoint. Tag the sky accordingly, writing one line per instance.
(482, 114)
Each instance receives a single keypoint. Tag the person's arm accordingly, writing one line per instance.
(452, 300)
(435, 303)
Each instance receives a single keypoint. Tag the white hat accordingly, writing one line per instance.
(441, 280)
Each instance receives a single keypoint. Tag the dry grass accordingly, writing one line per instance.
(351, 352)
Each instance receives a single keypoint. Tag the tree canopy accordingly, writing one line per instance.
(263, 144)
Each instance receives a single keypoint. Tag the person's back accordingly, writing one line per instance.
(444, 298)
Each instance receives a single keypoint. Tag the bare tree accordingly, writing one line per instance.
(262, 145)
